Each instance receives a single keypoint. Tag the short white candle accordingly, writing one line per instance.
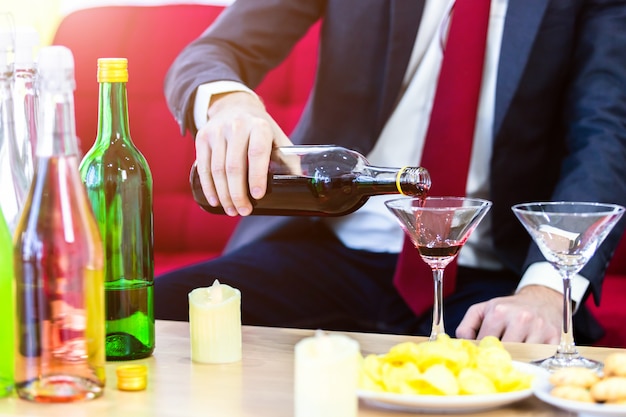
(326, 374)
(215, 324)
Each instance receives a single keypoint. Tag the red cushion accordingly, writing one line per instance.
(166, 261)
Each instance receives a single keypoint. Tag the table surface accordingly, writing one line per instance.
(259, 385)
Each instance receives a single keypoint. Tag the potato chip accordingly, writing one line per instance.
(444, 366)
(403, 352)
(490, 341)
(367, 383)
(514, 380)
(396, 378)
(443, 353)
(472, 381)
(437, 380)
(494, 362)
(370, 374)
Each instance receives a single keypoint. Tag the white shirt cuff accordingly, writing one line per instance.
(204, 92)
(542, 273)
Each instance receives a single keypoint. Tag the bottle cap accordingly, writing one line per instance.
(56, 66)
(112, 70)
(132, 377)
(26, 39)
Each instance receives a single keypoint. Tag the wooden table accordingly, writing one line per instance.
(260, 385)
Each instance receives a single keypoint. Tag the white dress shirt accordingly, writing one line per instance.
(373, 227)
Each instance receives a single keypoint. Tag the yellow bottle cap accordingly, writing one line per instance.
(112, 70)
(132, 377)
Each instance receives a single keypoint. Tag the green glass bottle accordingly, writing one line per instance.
(119, 186)
(7, 295)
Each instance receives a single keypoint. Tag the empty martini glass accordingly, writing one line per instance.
(438, 227)
(568, 234)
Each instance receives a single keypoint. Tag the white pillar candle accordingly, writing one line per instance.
(326, 374)
(215, 324)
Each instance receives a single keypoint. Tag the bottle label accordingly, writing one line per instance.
(398, 176)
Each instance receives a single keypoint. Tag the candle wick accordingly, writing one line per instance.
(216, 292)
(324, 345)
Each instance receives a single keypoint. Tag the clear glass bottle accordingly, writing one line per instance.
(323, 180)
(7, 310)
(119, 185)
(58, 257)
(25, 98)
(13, 184)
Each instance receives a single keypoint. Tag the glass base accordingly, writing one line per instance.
(560, 361)
(59, 389)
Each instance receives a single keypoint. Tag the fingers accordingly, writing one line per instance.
(259, 159)
(203, 157)
(470, 325)
(233, 152)
(517, 318)
(232, 165)
(526, 327)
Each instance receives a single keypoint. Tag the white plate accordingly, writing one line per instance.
(542, 390)
(443, 404)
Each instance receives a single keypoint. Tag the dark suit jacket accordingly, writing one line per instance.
(560, 117)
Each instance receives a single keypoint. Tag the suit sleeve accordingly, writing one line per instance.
(594, 120)
(247, 40)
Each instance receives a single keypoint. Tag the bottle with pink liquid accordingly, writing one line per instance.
(58, 257)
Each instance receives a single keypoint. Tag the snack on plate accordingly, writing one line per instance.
(580, 384)
(572, 392)
(615, 365)
(574, 377)
(611, 389)
(445, 366)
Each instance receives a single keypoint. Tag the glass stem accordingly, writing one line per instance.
(437, 304)
(567, 346)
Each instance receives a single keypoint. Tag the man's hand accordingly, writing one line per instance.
(533, 315)
(233, 151)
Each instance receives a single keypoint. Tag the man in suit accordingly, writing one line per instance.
(551, 125)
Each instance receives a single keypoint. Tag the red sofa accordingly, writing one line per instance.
(150, 37)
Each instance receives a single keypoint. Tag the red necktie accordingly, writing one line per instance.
(448, 144)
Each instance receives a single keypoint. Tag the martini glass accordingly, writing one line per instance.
(568, 234)
(438, 227)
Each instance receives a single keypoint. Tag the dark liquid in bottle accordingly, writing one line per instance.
(292, 195)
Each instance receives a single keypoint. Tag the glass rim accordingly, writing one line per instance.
(526, 207)
(479, 201)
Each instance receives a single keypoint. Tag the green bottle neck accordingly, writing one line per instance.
(113, 124)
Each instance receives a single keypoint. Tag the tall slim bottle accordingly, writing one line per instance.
(25, 98)
(7, 310)
(13, 184)
(58, 257)
(119, 185)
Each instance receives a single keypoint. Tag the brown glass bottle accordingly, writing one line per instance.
(323, 180)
